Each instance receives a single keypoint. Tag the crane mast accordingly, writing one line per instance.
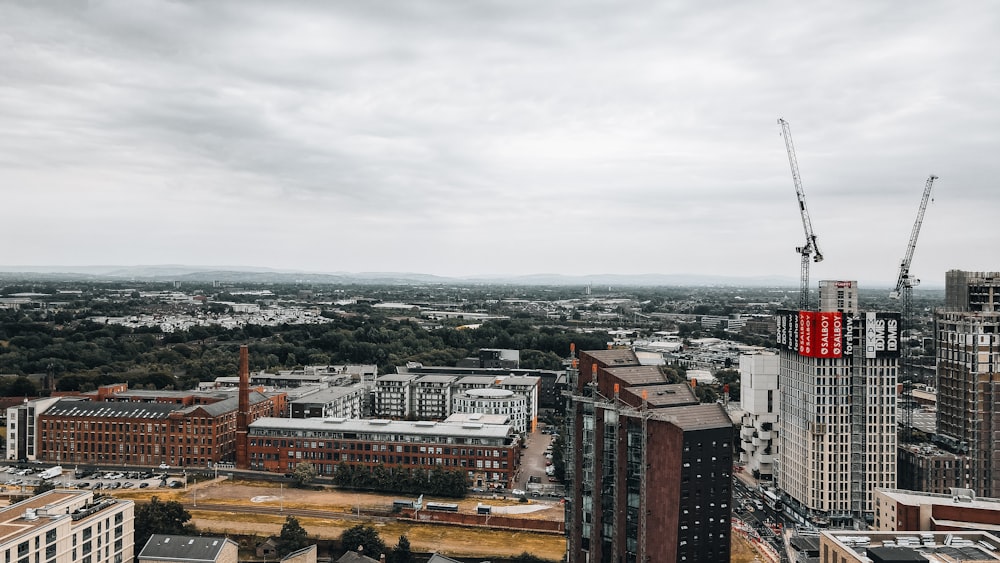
(904, 290)
(904, 280)
(811, 248)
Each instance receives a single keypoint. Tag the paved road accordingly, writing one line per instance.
(533, 461)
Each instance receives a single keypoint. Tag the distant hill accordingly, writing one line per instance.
(246, 274)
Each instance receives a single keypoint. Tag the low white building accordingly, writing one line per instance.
(759, 400)
(64, 526)
(489, 400)
(22, 428)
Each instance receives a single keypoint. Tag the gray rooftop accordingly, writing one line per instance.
(184, 548)
(521, 380)
(229, 405)
(614, 357)
(667, 395)
(638, 375)
(355, 557)
(395, 377)
(465, 417)
(477, 380)
(329, 394)
(156, 394)
(418, 428)
(697, 417)
(112, 409)
(435, 379)
(259, 376)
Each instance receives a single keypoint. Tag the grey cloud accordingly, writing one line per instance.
(462, 124)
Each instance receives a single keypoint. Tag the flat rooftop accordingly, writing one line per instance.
(936, 547)
(436, 379)
(637, 375)
(111, 409)
(373, 426)
(696, 417)
(610, 358)
(916, 498)
(666, 395)
(329, 394)
(48, 507)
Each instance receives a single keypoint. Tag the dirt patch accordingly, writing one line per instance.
(459, 541)
(741, 551)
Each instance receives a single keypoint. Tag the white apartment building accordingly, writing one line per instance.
(432, 396)
(495, 401)
(759, 400)
(837, 411)
(392, 395)
(63, 526)
(22, 425)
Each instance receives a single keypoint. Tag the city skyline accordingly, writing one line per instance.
(499, 139)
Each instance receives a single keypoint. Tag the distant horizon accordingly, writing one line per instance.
(162, 271)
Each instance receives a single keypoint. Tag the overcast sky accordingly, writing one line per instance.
(507, 137)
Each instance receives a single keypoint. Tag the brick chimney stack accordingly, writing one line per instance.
(243, 412)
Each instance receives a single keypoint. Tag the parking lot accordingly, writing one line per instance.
(533, 479)
(19, 477)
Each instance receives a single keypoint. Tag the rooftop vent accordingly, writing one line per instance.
(959, 494)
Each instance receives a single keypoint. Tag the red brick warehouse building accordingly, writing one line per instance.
(488, 453)
(121, 430)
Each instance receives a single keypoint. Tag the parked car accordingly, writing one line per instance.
(143, 485)
(163, 466)
(518, 492)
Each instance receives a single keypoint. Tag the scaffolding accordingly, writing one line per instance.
(859, 432)
(618, 411)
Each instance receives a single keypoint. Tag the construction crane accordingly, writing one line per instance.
(810, 249)
(904, 291)
(905, 283)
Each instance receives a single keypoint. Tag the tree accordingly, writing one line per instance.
(706, 394)
(304, 473)
(365, 536)
(526, 557)
(155, 517)
(401, 553)
(44, 487)
(292, 537)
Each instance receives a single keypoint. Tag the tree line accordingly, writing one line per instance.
(82, 355)
(438, 481)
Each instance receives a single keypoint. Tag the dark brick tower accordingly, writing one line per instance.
(243, 414)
